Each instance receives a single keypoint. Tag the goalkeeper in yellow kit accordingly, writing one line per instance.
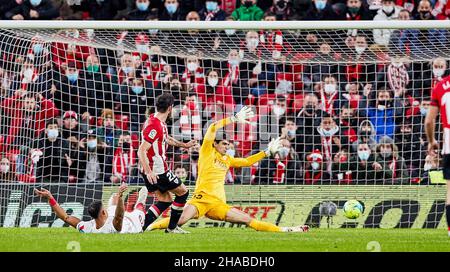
(209, 196)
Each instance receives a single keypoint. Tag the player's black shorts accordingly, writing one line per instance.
(166, 182)
(446, 166)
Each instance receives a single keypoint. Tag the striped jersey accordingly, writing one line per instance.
(155, 132)
(440, 97)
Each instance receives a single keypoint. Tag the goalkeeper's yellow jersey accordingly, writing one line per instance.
(213, 167)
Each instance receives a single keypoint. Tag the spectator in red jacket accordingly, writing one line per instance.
(193, 74)
(213, 92)
(314, 169)
(28, 113)
(125, 160)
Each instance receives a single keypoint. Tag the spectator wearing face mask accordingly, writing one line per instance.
(419, 121)
(193, 75)
(55, 162)
(321, 10)
(71, 129)
(171, 11)
(289, 131)
(366, 135)
(383, 112)
(388, 159)
(408, 142)
(132, 101)
(6, 173)
(282, 9)
(92, 161)
(27, 113)
(142, 11)
(213, 92)
(361, 66)
(212, 11)
(430, 167)
(348, 122)
(190, 118)
(108, 133)
(248, 11)
(352, 94)
(364, 168)
(99, 93)
(401, 40)
(33, 10)
(125, 161)
(329, 95)
(388, 11)
(431, 76)
(232, 176)
(308, 119)
(355, 10)
(71, 94)
(314, 172)
(283, 168)
(233, 78)
(327, 139)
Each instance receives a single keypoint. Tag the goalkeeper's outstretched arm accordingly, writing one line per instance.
(243, 116)
(272, 148)
(60, 212)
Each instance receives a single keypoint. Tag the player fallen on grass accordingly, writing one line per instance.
(111, 219)
(209, 195)
(440, 104)
(156, 173)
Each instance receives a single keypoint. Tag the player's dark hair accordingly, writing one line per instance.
(163, 102)
(94, 209)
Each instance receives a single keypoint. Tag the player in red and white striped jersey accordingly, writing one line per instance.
(156, 173)
(440, 102)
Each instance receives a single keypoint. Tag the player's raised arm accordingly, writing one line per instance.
(71, 220)
(243, 116)
(272, 149)
(120, 209)
(174, 142)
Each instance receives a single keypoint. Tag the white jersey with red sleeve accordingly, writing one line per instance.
(155, 132)
(440, 97)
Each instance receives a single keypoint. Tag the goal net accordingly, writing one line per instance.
(348, 99)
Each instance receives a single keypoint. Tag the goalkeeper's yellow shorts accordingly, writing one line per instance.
(209, 206)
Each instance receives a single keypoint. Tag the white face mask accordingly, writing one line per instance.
(28, 73)
(315, 165)
(53, 133)
(233, 62)
(213, 81)
(230, 31)
(388, 9)
(364, 155)
(360, 49)
(278, 111)
(92, 144)
(427, 166)
(4, 168)
(252, 43)
(192, 66)
(438, 72)
(329, 88)
(142, 48)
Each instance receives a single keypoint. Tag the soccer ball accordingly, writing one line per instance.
(353, 209)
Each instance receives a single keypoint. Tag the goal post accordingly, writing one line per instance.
(348, 98)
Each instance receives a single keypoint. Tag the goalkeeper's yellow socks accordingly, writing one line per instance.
(264, 226)
(161, 224)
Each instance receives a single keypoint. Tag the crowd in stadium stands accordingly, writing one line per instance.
(73, 113)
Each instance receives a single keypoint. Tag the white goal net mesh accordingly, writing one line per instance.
(350, 105)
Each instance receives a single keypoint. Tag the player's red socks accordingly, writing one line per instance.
(177, 209)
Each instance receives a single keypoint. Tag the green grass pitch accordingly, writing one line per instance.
(227, 239)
